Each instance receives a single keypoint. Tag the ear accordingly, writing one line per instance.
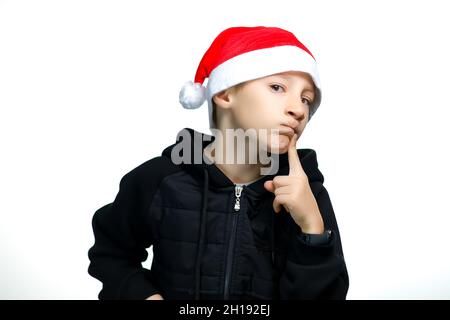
(223, 99)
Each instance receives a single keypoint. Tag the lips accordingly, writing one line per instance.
(287, 130)
(291, 124)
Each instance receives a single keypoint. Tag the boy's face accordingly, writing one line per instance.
(278, 101)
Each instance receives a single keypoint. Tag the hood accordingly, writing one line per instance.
(213, 177)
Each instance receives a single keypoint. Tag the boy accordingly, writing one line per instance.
(225, 229)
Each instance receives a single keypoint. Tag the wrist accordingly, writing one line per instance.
(315, 226)
(317, 239)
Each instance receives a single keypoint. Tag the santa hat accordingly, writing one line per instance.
(240, 54)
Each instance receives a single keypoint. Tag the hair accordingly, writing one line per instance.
(235, 88)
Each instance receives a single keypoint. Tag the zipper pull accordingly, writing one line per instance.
(237, 193)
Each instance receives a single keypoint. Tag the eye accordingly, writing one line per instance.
(307, 102)
(276, 87)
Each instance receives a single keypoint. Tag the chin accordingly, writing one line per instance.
(278, 145)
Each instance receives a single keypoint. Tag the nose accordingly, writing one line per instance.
(297, 109)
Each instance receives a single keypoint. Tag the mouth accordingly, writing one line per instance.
(285, 129)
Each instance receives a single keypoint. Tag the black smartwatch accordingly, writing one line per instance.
(321, 238)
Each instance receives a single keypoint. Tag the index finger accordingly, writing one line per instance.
(295, 167)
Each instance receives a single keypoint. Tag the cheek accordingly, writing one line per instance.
(261, 113)
(248, 114)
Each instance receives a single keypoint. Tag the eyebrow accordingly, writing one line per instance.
(307, 88)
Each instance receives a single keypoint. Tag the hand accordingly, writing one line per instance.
(156, 296)
(295, 195)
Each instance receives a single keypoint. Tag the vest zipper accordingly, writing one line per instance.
(229, 261)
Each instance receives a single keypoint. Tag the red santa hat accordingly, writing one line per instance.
(240, 54)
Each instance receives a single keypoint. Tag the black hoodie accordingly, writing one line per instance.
(205, 244)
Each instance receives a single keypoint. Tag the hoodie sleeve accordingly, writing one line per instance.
(315, 271)
(121, 238)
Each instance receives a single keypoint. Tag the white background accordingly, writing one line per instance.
(89, 90)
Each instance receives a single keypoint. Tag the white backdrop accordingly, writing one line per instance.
(89, 90)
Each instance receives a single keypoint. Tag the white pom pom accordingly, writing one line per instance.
(192, 95)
